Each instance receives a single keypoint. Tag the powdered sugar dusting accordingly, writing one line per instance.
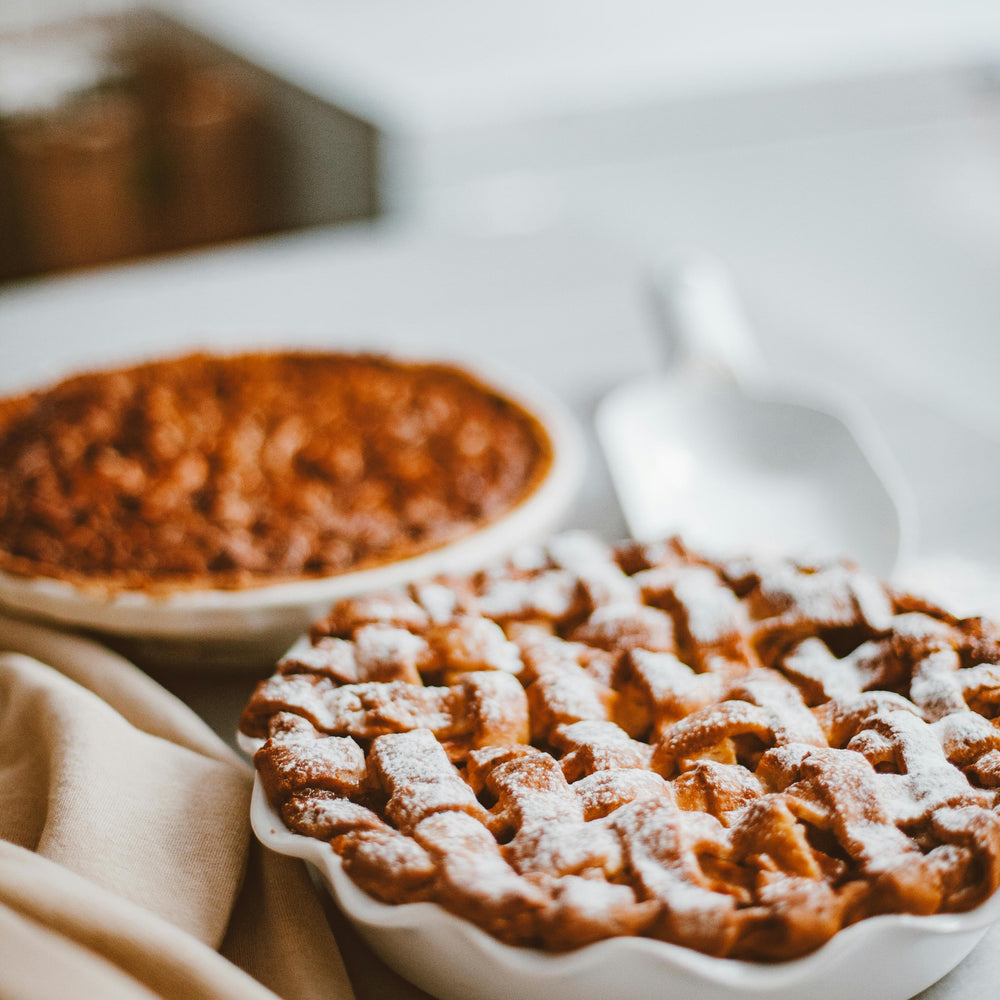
(711, 610)
(552, 594)
(438, 600)
(586, 741)
(418, 777)
(387, 652)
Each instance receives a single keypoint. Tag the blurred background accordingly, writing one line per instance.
(135, 129)
(124, 134)
(843, 159)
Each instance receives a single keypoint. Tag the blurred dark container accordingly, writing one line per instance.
(75, 176)
(218, 183)
(177, 147)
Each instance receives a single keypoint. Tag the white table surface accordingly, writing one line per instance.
(561, 306)
(447, 64)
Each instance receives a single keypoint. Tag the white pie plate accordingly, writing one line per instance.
(883, 958)
(254, 626)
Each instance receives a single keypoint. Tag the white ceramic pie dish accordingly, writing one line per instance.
(890, 957)
(256, 625)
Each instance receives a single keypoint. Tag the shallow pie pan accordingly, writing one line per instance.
(256, 625)
(889, 957)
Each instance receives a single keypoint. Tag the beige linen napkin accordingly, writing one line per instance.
(127, 865)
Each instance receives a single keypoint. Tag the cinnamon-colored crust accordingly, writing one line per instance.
(740, 756)
(237, 471)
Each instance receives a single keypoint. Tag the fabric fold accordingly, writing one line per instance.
(126, 855)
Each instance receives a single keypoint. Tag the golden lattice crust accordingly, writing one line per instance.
(737, 756)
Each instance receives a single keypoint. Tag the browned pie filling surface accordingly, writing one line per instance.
(741, 757)
(236, 471)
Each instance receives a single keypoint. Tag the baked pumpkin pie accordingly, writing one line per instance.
(210, 471)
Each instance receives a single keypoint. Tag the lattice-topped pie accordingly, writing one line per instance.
(588, 741)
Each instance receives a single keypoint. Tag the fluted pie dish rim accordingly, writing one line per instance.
(892, 956)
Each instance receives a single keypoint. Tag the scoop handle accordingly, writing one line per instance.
(702, 317)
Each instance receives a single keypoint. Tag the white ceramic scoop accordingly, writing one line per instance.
(715, 451)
